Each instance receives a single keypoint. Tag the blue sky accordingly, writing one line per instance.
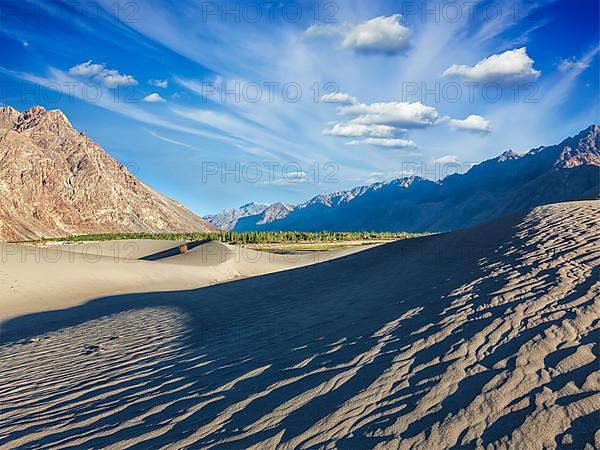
(216, 104)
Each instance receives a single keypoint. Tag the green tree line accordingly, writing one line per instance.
(251, 237)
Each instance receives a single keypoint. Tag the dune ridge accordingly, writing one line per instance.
(481, 337)
(75, 273)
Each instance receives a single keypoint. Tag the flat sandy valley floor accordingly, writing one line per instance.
(484, 338)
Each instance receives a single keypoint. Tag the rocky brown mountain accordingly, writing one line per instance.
(55, 181)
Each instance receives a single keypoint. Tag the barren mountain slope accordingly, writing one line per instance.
(226, 219)
(55, 181)
(486, 336)
(274, 212)
(503, 185)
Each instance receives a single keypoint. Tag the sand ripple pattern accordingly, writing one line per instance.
(486, 338)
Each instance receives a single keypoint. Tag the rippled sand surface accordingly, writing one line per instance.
(487, 336)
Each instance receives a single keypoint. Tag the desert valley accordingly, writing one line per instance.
(486, 336)
(459, 340)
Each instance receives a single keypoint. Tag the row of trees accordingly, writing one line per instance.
(252, 237)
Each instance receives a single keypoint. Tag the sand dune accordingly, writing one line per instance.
(123, 249)
(485, 337)
(39, 278)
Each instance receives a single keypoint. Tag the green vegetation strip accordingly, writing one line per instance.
(229, 237)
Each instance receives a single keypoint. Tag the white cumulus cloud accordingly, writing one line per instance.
(473, 123)
(379, 35)
(382, 124)
(110, 78)
(154, 98)
(383, 34)
(398, 114)
(510, 66)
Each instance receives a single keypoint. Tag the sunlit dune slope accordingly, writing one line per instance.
(484, 336)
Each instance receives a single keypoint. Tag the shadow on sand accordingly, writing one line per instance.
(330, 330)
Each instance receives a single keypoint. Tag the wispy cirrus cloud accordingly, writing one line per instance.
(369, 54)
(62, 82)
(169, 140)
(568, 64)
(385, 142)
(358, 130)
